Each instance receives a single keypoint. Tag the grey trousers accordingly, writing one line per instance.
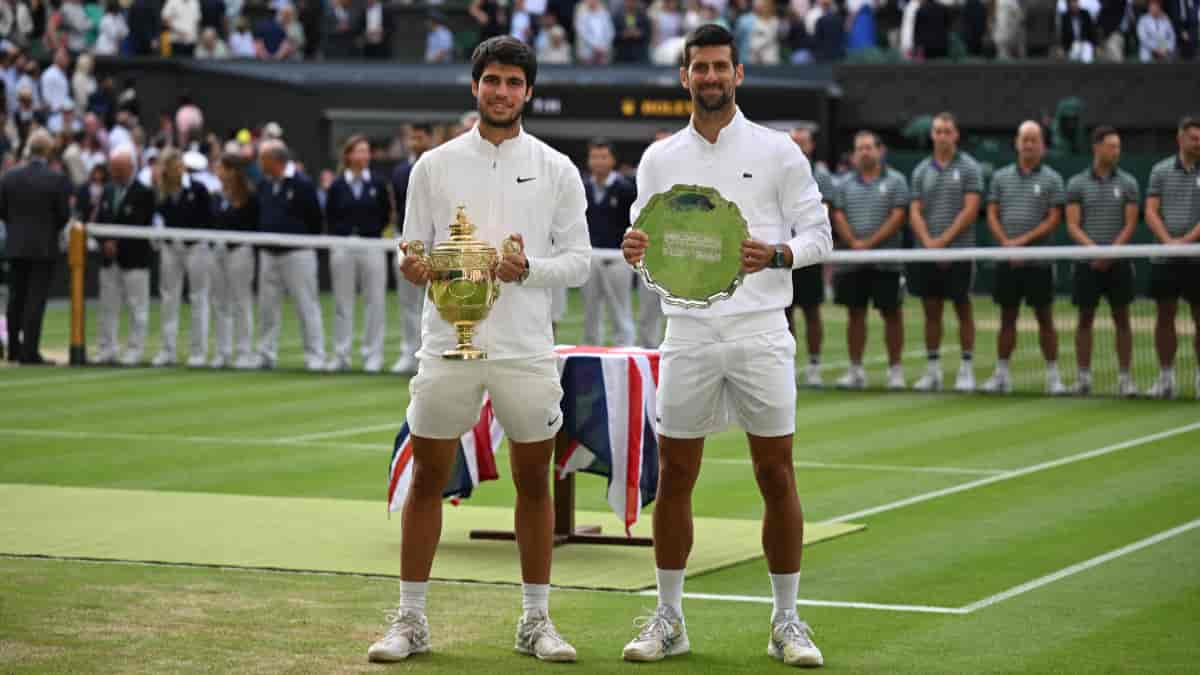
(295, 273)
(366, 271)
(412, 303)
(233, 301)
(175, 260)
(650, 318)
(609, 288)
(131, 288)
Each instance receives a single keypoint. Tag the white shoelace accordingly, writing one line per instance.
(654, 626)
(405, 624)
(797, 630)
(540, 627)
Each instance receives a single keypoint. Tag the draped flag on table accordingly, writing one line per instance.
(608, 417)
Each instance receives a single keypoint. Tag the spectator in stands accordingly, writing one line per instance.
(974, 26)
(103, 101)
(358, 204)
(609, 288)
(667, 19)
(593, 33)
(233, 267)
(56, 88)
(272, 36)
(439, 43)
(76, 25)
(1024, 208)
(1155, 34)
(521, 26)
(1171, 204)
(1008, 29)
(212, 15)
(182, 203)
(125, 263)
(764, 34)
(829, 35)
(26, 117)
(86, 200)
(551, 42)
(799, 40)
(492, 17)
(631, 33)
(1041, 27)
(931, 31)
(16, 23)
(66, 121)
(1078, 33)
(419, 141)
(373, 27)
(144, 25)
(1112, 22)
(181, 18)
(1185, 15)
(211, 46)
(242, 44)
(34, 206)
(288, 205)
(341, 40)
(83, 81)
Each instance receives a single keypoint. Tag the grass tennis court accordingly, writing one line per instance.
(1017, 534)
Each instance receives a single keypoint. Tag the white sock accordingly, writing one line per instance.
(1002, 367)
(1052, 369)
(786, 587)
(1168, 374)
(535, 597)
(670, 589)
(1085, 374)
(1124, 375)
(412, 595)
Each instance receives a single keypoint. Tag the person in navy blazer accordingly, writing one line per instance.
(358, 204)
(412, 298)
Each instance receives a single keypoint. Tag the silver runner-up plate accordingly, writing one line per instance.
(694, 257)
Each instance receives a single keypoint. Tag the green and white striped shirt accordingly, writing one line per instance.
(1179, 190)
(868, 204)
(1025, 199)
(942, 191)
(1102, 201)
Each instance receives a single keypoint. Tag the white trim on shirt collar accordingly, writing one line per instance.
(349, 176)
(484, 143)
(290, 170)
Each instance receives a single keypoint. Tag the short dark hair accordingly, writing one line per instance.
(427, 127)
(600, 142)
(865, 132)
(1189, 122)
(946, 116)
(709, 35)
(505, 50)
(1102, 132)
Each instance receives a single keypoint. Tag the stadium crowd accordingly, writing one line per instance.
(596, 32)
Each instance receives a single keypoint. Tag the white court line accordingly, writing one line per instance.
(872, 467)
(1080, 567)
(393, 426)
(925, 609)
(1016, 473)
(171, 438)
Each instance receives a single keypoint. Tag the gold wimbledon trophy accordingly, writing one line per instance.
(463, 284)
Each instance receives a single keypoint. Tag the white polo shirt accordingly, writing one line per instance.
(762, 171)
(522, 186)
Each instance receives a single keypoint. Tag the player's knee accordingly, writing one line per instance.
(776, 479)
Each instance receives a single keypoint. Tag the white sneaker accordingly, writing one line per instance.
(373, 366)
(1126, 387)
(408, 634)
(1163, 387)
(537, 636)
(1055, 386)
(246, 363)
(131, 358)
(104, 359)
(966, 378)
(1196, 390)
(162, 359)
(930, 381)
(405, 365)
(218, 362)
(998, 383)
(315, 366)
(896, 379)
(661, 634)
(791, 642)
(1083, 386)
(335, 364)
(812, 376)
(853, 379)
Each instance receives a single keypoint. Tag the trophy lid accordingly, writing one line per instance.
(461, 229)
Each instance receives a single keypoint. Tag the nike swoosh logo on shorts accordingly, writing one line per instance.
(525, 180)
(551, 422)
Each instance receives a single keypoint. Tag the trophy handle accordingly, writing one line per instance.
(510, 246)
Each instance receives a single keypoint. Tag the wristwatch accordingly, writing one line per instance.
(778, 261)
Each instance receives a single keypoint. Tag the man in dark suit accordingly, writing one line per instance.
(125, 269)
(1077, 33)
(1184, 15)
(412, 298)
(34, 202)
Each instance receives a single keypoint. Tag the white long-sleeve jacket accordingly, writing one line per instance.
(522, 186)
(769, 178)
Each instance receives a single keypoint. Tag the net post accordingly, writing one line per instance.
(77, 262)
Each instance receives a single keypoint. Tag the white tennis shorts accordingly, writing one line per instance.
(446, 397)
(714, 372)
